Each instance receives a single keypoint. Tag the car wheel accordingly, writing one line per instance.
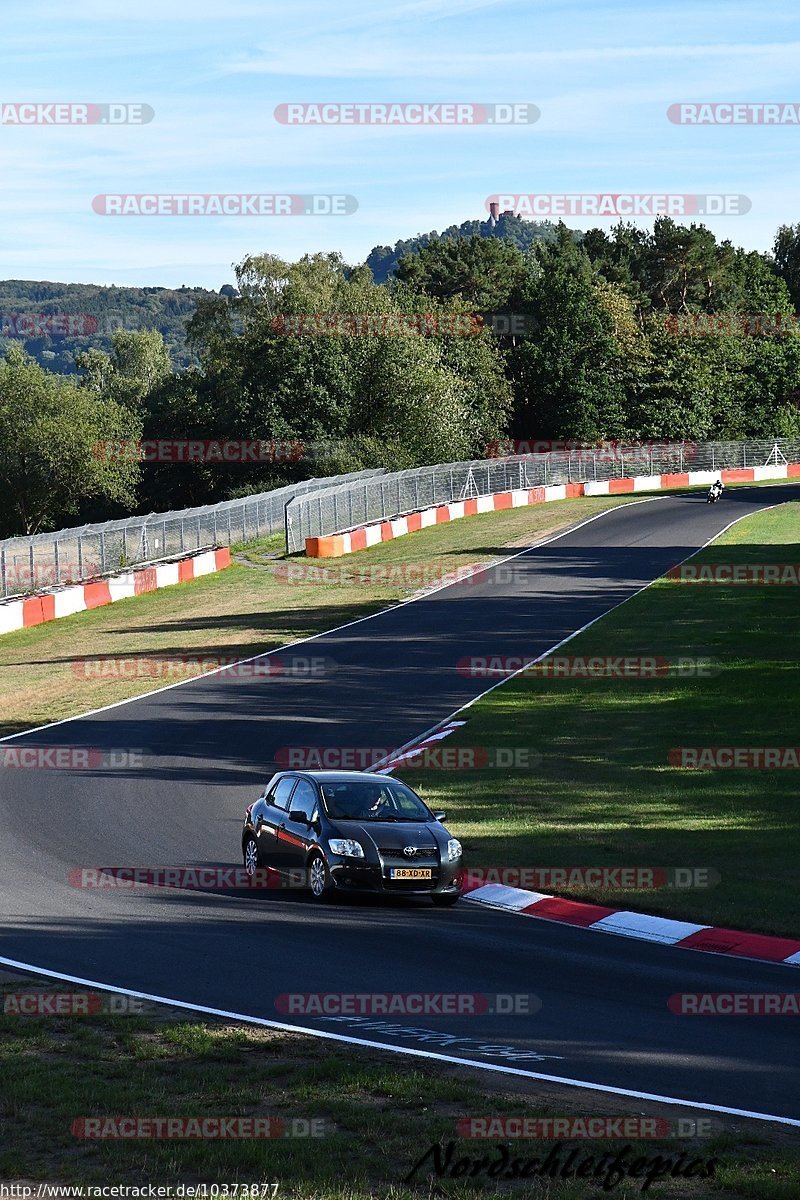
(252, 858)
(319, 879)
(445, 901)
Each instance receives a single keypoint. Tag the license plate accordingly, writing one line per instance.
(410, 873)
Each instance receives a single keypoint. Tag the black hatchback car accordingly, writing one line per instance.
(351, 831)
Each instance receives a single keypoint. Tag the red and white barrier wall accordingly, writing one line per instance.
(337, 544)
(63, 602)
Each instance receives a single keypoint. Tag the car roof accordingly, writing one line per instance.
(337, 776)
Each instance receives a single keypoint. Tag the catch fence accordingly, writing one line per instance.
(67, 556)
(348, 504)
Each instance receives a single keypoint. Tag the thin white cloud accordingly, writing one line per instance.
(356, 57)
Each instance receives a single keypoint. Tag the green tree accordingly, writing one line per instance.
(54, 440)
(569, 383)
(484, 272)
(787, 260)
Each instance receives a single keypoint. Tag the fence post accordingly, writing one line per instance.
(102, 552)
(286, 520)
(55, 560)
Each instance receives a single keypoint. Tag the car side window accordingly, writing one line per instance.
(279, 796)
(304, 799)
(406, 805)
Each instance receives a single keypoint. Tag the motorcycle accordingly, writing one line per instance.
(714, 493)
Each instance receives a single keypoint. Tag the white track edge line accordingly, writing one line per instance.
(448, 1058)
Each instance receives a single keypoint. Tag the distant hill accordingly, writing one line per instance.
(384, 259)
(55, 321)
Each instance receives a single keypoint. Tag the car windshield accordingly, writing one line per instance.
(369, 800)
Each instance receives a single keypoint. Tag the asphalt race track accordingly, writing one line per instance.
(209, 744)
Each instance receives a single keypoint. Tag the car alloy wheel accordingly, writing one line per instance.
(318, 878)
(251, 856)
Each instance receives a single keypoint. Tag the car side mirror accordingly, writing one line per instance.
(297, 814)
(440, 816)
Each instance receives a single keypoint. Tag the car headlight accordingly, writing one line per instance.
(347, 847)
(453, 850)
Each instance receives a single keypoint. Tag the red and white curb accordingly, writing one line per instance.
(335, 545)
(63, 602)
(663, 930)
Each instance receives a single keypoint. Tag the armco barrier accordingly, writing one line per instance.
(351, 540)
(63, 602)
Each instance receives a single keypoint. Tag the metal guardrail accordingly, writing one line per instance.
(346, 505)
(66, 556)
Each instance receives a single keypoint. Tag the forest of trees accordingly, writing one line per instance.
(54, 322)
(535, 333)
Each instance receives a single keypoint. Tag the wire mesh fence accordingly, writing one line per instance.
(331, 505)
(44, 560)
(348, 504)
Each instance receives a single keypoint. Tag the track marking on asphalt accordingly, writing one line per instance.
(336, 629)
(431, 1054)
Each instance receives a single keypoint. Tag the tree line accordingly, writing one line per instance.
(471, 339)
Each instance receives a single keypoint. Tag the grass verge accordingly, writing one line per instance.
(604, 792)
(380, 1115)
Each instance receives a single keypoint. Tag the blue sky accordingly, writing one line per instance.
(602, 75)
